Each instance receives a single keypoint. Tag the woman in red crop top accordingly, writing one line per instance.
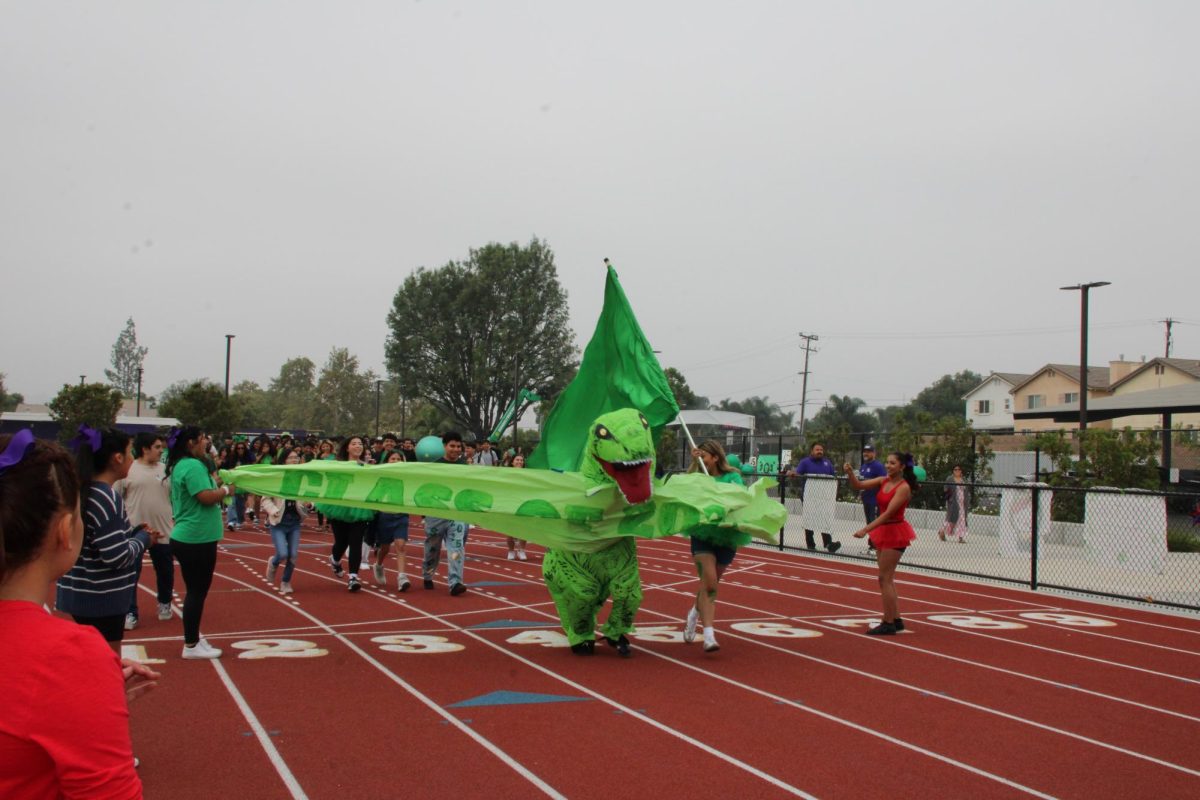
(889, 532)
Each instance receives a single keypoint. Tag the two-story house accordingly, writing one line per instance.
(989, 405)
(1058, 384)
(1158, 373)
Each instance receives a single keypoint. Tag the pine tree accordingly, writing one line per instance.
(127, 360)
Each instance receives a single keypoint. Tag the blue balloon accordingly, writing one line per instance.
(430, 448)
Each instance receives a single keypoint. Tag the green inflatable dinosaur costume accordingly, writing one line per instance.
(619, 451)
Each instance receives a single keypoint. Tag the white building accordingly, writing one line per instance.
(989, 405)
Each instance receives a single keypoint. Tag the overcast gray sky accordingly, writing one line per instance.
(912, 182)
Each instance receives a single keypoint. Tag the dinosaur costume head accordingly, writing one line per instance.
(620, 450)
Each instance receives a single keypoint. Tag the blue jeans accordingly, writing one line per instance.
(286, 538)
(454, 533)
(237, 509)
(164, 575)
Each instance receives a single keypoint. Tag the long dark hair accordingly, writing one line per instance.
(33, 491)
(717, 451)
(343, 451)
(179, 450)
(91, 462)
(910, 477)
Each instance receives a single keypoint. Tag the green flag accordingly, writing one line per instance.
(619, 370)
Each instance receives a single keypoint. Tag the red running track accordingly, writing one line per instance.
(995, 692)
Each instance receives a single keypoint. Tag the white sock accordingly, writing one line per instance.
(708, 632)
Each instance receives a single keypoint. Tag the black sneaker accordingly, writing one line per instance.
(428, 583)
(621, 645)
(833, 547)
(883, 629)
(336, 566)
(898, 624)
(458, 588)
(353, 584)
(584, 649)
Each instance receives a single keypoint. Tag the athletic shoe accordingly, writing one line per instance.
(353, 584)
(201, 650)
(285, 588)
(404, 585)
(131, 621)
(272, 570)
(164, 612)
(834, 547)
(898, 624)
(458, 588)
(521, 555)
(710, 644)
(428, 583)
(883, 629)
(584, 649)
(380, 574)
(512, 555)
(689, 628)
(621, 645)
(337, 567)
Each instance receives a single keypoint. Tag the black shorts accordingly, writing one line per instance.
(111, 628)
(724, 555)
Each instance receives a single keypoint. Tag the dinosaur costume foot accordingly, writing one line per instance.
(584, 649)
(621, 645)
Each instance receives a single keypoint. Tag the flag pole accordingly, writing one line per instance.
(691, 441)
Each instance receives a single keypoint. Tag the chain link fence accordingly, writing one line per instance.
(1128, 544)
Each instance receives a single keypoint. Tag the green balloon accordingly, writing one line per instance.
(430, 449)
(919, 471)
(734, 461)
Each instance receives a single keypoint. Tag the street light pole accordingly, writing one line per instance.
(378, 384)
(1083, 288)
(139, 394)
(81, 377)
(228, 348)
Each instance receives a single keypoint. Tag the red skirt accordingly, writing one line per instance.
(893, 535)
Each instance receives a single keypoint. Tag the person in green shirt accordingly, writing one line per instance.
(713, 547)
(196, 504)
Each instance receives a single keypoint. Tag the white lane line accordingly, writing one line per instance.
(1085, 630)
(260, 733)
(502, 756)
(936, 694)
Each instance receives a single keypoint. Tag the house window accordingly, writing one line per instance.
(1159, 369)
(1007, 404)
(985, 407)
(1036, 401)
(1071, 397)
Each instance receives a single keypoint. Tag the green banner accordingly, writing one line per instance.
(554, 509)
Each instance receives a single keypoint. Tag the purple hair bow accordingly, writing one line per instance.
(18, 448)
(88, 435)
(172, 436)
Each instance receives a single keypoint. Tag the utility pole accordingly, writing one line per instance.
(808, 338)
(228, 347)
(1169, 323)
(139, 393)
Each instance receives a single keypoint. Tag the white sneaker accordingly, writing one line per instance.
(131, 622)
(511, 555)
(689, 629)
(710, 644)
(164, 612)
(380, 574)
(403, 584)
(521, 555)
(285, 588)
(201, 650)
(272, 570)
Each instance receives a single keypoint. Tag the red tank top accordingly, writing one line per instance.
(884, 498)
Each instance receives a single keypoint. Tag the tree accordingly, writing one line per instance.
(293, 393)
(768, 417)
(345, 396)
(127, 360)
(469, 335)
(9, 402)
(94, 404)
(843, 411)
(252, 406)
(201, 403)
(944, 397)
(684, 396)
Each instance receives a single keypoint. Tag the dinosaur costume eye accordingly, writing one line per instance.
(602, 432)
(645, 422)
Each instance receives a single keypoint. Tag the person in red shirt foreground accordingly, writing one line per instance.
(64, 722)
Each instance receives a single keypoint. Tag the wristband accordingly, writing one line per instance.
(225, 489)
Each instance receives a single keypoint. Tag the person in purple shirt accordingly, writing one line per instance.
(815, 463)
(870, 468)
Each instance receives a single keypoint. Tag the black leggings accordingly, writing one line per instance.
(348, 539)
(197, 562)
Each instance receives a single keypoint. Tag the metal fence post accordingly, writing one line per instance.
(1035, 532)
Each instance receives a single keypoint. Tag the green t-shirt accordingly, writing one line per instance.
(725, 537)
(195, 522)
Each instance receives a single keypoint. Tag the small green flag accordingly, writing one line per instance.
(619, 370)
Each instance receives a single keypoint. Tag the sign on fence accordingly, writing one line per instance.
(1127, 530)
(1016, 518)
